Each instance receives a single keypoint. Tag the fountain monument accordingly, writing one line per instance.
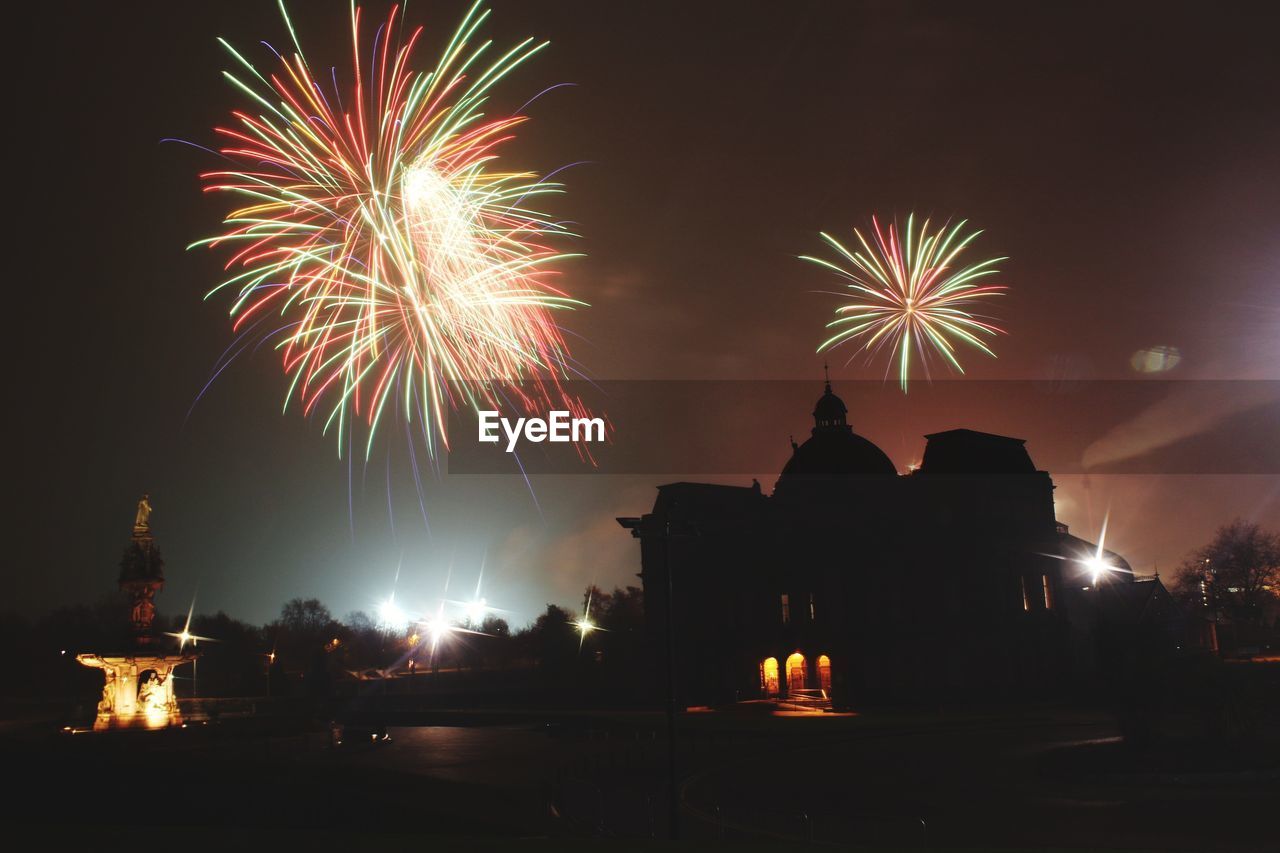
(138, 690)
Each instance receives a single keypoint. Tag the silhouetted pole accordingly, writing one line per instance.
(673, 779)
(673, 793)
(640, 530)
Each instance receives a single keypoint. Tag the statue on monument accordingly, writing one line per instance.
(144, 610)
(107, 704)
(149, 696)
(142, 519)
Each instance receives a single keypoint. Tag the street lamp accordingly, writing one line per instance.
(670, 529)
(185, 636)
(391, 616)
(584, 625)
(1097, 568)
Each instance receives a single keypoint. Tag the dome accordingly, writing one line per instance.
(829, 410)
(833, 452)
(838, 452)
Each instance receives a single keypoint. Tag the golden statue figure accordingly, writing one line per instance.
(142, 520)
(107, 704)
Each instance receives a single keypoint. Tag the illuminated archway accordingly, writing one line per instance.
(769, 676)
(797, 671)
(155, 695)
(824, 673)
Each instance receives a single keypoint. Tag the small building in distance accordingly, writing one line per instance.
(856, 585)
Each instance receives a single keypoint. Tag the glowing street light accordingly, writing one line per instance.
(1097, 568)
(584, 625)
(391, 616)
(1099, 565)
(437, 628)
(475, 612)
(477, 608)
(185, 636)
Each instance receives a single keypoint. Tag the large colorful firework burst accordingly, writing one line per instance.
(912, 294)
(409, 273)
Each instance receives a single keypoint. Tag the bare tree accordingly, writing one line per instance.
(1237, 575)
(307, 616)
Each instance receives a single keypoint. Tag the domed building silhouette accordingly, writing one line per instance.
(833, 457)
(851, 584)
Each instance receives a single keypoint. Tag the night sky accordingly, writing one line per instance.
(1126, 157)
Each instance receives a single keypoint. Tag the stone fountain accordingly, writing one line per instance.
(138, 690)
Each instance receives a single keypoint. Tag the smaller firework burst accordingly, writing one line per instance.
(911, 293)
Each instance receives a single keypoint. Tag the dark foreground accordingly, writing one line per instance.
(1034, 779)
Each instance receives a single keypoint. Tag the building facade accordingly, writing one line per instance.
(854, 584)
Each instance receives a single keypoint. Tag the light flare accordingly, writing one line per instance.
(391, 616)
(585, 626)
(185, 637)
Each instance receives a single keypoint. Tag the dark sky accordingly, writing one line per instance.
(1126, 157)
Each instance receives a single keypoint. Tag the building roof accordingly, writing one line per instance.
(707, 497)
(967, 451)
(1140, 600)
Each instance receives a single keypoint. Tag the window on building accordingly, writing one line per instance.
(1048, 592)
(813, 608)
(1026, 599)
(786, 608)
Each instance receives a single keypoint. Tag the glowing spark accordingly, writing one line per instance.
(412, 277)
(911, 295)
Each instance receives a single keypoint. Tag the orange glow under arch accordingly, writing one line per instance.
(769, 676)
(824, 673)
(797, 671)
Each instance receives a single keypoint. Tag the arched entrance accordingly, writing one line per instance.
(769, 677)
(797, 672)
(824, 674)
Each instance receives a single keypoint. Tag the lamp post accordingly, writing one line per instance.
(669, 530)
(673, 779)
(673, 794)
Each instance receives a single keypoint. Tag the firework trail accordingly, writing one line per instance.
(910, 294)
(410, 275)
